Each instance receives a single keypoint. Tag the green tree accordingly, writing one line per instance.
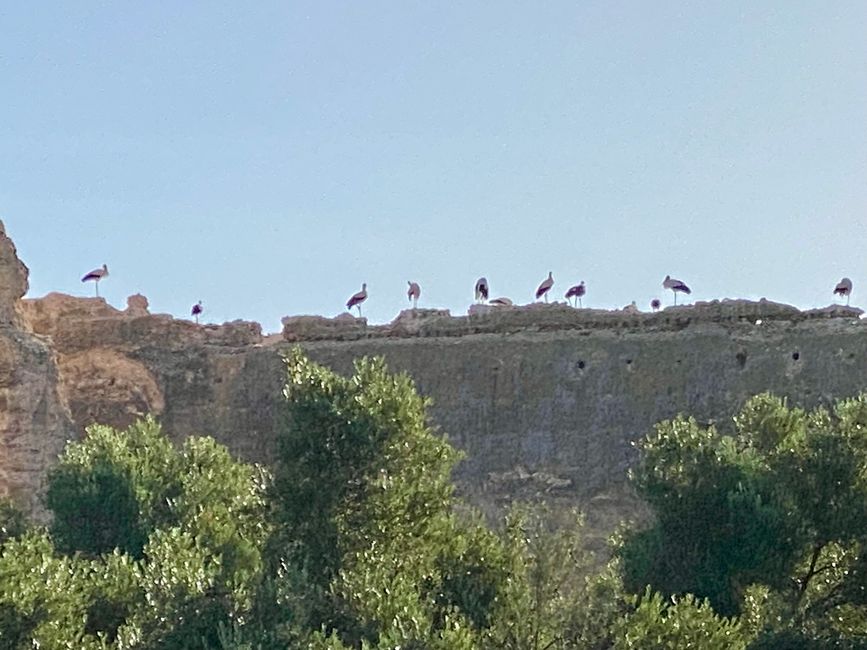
(112, 489)
(655, 624)
(781, 502)
(545, 601)
(56, 601)
(203, 566)
(175, 566)
(365, 510)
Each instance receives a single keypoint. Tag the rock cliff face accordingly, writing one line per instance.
(544, 399)
(34, 420)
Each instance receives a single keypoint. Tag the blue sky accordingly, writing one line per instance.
(267, 158)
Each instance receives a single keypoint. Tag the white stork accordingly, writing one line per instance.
(357, 299)
(96, 275)
(196, 310)
(545, 287)
(655, 304)
(577, 292)
(413, 293)
(675, 286)
(844, 288)
(481, 289)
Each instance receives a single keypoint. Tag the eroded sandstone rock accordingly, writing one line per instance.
(13, 279)
(102, 385)
(137, 305)
(49, 314)
(412, 322)
(34, 421)
(313, 328)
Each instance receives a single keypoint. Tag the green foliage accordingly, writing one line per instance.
(782, 503)
(363, 502)
(681, 623)
(157, 547)
(718, 527)
(543, 600)
(50, 600)
(13, 523)
(111, 490)
(201, 574)
(357, 462)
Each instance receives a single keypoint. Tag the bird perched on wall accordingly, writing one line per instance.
(481, 289)
(413, 293)
(501, 302)
(655, 304)
(844, 288)
(675, 286)
(577, 292)
(357, 299)
(196, 310)
(545, 287)
(96, 275)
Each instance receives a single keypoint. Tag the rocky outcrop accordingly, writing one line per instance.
(34, 420)
(13, 280)
(106, 386)
(137, 305)
(310, 328)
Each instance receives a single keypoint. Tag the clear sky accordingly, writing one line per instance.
(269, 157)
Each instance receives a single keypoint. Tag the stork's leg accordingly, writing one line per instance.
(96, 284)
(580, 302)
(675, 296)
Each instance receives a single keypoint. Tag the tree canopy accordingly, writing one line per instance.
(780, 502)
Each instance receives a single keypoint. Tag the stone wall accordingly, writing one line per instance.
(545, 400)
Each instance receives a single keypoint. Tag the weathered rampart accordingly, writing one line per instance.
(544, 399)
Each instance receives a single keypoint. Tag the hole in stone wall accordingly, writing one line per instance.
(629, 362)
(581, 365)
(796, 355)
(742, 358)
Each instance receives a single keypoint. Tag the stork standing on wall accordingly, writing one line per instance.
(481, 289)
(196, 310)
(655, 304)
(577, 292)
(675, 286)
(844, 288)
(96, 275)
(545, 287)
(413, 293)
(357, 299)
